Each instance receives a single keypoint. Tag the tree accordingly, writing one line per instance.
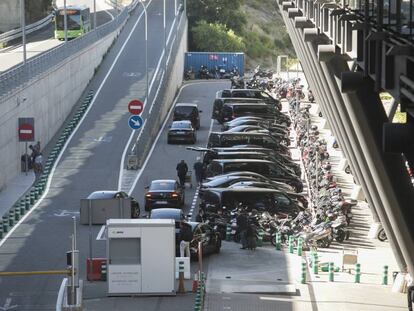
(216, 37)
(217, 11)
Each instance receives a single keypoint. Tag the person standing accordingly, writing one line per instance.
(199, 170)
(242, 225)
(38, 165)
(182, 170)
(186, 236)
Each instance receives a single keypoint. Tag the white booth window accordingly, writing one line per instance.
(125, 251)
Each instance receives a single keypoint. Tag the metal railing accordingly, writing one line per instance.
(18, 76)
(17, 33)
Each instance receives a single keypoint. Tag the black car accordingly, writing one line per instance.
(228, 139)
(187, 112)
(264, 167)
(270, 185)
(164, 193)
(219, 102)
(270, 200)
(247, 175)
(256, 121)
(282, 136)
(209, 237)
(182, 131)
(231, 111)
(111, 194)
(251, 93)
(209, 156)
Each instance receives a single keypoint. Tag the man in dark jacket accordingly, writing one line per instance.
(199, 170)
(242, 225)
(182, 170)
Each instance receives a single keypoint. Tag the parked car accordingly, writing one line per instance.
(254, 176)
(256, 121)
(187, 112)
(182, 131)
(264, 167)
(231, 111)
(111, 194)
(219, 102)
(250, 93)
(229, 139)
(215, 200)
(164, 193)
(209, 237)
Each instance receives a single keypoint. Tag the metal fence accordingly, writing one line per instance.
(18, 76)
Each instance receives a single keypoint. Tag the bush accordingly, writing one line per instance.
(216, 37)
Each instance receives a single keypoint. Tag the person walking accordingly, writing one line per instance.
(186, 236)
(182, 170)
(199, 170)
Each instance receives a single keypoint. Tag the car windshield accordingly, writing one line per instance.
(181, 125)
(184, 110)
(216, 182)
(162, 185)
(165, 214)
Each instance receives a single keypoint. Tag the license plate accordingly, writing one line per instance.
(180, 133)
(161, 202)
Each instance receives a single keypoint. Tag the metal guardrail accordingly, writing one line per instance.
(17, 33)
(18, 76)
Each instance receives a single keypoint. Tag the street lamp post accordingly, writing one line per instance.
(65, 21)
(94, 14)
(23, 25)
(165, 41)
(146, 49)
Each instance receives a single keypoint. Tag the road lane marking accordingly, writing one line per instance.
(6, 237)
(161, 130)
(122, 164)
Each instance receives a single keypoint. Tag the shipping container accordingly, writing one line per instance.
(194, 61)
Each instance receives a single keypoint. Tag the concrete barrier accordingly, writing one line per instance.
(49, 99)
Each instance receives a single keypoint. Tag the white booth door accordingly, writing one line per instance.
(124, 266)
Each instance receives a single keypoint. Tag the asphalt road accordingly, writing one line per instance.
(90, 162)
(43, 39)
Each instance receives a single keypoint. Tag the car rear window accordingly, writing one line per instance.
(162, 185)
(184, 110)
(163, 214)
(181, 125)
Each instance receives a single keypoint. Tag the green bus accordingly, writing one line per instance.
(78, 22)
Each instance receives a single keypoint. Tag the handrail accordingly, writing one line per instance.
(17, 33)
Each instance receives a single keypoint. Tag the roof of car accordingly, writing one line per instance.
(166, 212)
(260, 104)
(102, 194)
(164, 180)
(245, 189)
(242, 161)
(185, 105)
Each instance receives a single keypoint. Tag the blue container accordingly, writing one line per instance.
(194, 61)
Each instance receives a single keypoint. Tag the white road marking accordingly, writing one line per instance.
(101, 234)
(7, 305)
(6, 237)
(160, 132)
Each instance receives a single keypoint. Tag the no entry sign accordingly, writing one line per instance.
(135, 107)
(26, 129)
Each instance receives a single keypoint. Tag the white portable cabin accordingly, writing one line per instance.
(141, 257)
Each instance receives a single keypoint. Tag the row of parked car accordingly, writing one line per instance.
(248, 164)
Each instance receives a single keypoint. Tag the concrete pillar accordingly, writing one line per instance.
(388, 170)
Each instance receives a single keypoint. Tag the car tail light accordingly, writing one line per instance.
(174, 195)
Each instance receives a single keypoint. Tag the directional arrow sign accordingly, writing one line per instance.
(135, 107)
(135, 122)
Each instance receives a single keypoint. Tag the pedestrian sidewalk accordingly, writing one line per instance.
(14, 190)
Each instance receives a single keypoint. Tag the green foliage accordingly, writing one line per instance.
(216, 37)
(36, 10)
(217, 11)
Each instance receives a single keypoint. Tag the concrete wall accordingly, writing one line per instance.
(49, 99)
(9, 15)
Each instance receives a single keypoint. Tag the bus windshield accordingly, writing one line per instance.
(74, 21)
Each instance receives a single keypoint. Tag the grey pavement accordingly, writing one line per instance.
(14, 190)
(91, 162)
